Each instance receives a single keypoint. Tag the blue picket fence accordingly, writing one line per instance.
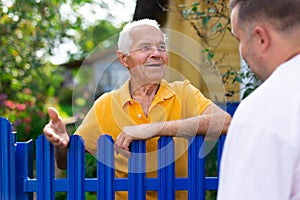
(17, 181)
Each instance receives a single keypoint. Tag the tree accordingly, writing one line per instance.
(29, 32)
(151, 9)
(210, 20)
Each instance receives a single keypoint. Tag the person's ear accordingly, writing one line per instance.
(262, 36)
(122, 57)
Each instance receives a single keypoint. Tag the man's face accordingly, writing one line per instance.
(148, 56)
(247, 42)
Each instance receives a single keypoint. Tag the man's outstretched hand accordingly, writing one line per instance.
(55, 130)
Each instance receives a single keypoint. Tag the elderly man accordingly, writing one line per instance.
(145, 106)
(261, 157)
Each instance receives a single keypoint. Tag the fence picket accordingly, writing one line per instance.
(196, 169)
(76, 169)
(166, 166)
(7, 160)
(105, 170)
(221, 142)
(136, 171)
(44, 169)
(24, 158)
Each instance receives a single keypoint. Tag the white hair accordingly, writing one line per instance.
(125, 41)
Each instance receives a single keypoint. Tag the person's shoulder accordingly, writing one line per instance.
(183, 88)
(104, 97)
(177, 84)
(118, 92)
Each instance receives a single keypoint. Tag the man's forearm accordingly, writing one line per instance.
(61, 157)
(209, 125)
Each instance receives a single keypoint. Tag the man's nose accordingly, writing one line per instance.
(155, 51)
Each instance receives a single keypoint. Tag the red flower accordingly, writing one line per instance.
(10, 104)
(27, 91)
(27, 120)
(20, 106)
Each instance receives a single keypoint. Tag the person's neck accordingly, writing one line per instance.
(292, 44)
(144, 94)
(144, 90)
(292, 55)
(285, 46)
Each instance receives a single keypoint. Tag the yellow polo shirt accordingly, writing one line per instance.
(116, 109)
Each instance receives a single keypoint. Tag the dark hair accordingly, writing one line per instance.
(283, 14)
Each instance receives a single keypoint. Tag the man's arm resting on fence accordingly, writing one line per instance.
(56, 134)
(212, 123)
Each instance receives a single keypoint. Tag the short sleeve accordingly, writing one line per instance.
(193, 101)
(90, 131)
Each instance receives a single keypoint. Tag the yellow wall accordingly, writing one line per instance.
(199, 72)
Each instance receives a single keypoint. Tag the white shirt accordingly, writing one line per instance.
(261, 157)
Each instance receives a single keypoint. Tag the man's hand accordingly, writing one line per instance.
(55, 130)
(138, 132)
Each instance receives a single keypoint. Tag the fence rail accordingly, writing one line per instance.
(17, 181)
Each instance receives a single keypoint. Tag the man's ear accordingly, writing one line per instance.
(263, 37)
(122, 57)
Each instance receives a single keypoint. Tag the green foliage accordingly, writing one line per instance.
(29, 32)
(24, 102)
(207, 14)
(65, 96)
(90, 166)
(93, 36)
(210, 53)
(246, 78)
(210, 19)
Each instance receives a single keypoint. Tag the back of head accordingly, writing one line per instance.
(282, 14)
(125, 41)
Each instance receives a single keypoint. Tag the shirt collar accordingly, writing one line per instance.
(165, 91)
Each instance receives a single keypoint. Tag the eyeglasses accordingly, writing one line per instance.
(148, 48)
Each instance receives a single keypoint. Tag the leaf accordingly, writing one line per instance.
(216, 27)
(249, 85)
(247, 92)
(210, 55)
(205, 21)
(233, 72)
(195, 4)
(186, 13)
(211, 10)
(199, 13)
(205, 50)
(195, 8)
(237, 79)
